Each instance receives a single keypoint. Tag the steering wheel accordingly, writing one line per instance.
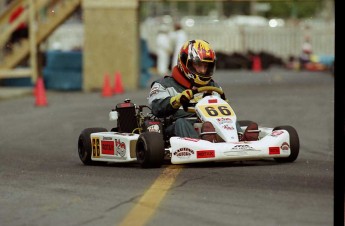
(189, 107)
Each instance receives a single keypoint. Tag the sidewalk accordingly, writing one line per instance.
(13, 92)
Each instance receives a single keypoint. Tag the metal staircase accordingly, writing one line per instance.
(43, 17)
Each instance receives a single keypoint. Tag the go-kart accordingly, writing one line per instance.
(140, 137)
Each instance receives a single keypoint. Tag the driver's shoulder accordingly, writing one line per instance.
(166, 81)
(170, 83)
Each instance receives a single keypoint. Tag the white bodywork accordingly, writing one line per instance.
(272, 144)
(113, 147)
(187, 150)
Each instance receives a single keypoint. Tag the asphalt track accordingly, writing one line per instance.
(43, 182)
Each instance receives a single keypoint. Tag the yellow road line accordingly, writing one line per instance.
(146, 206)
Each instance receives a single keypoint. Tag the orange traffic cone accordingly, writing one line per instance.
(106, 91)
(256, 66)
(40, 93)
(118, 87)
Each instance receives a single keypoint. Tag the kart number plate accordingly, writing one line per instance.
(216, 110)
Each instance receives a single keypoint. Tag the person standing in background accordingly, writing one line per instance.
(306, 53)
(163, 50)
(145, 64)
(178, 37)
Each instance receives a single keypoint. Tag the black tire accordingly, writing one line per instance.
(150, 150)
(84, 144)
(244, 122)
(294, 144)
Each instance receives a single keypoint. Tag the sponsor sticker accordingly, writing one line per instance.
(242, 147)
(276, 133)
(228, 127)
(107, 147)
(285, 146)
(203, 154)
(224, 120)
(154, 128)
(95, 147)
(120, 148)
(183, 153)
(190, 139)
(274, 150)
(125, 105)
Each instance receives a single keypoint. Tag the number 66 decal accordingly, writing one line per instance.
(217, 110)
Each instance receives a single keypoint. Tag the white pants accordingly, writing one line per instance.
(162, 62)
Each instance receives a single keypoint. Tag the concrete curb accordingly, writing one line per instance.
(9, 93)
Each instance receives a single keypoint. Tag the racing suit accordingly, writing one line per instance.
(159, 100)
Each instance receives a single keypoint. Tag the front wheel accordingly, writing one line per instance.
(294, 144)
(84, 144)
(150, 150)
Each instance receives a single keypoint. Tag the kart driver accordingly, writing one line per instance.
(195, 66)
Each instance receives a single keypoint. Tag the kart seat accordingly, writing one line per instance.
(208, 132)
(251, 133)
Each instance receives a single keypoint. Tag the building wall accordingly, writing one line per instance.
(111, 42)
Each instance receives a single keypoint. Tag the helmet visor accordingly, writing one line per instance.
(204, 69)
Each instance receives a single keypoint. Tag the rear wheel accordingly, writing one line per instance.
(150, 150)
(84, 144)
(294, 144)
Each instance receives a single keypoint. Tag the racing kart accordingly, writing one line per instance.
(140, 137)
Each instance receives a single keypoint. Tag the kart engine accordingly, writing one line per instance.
(127, 121)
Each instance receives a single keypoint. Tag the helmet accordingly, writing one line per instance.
(193, 53)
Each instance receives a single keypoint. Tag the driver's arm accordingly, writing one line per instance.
(159, 100)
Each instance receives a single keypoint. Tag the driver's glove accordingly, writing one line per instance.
(181, 99)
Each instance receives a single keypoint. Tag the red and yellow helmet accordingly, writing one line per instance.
(195, 52)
